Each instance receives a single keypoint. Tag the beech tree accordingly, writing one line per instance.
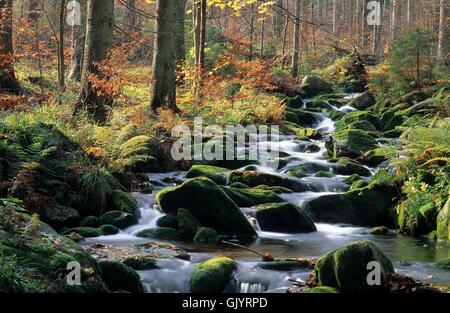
(296, 48)
(8, 81)
(98, 43)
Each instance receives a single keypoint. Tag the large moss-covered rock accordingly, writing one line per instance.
(363, 101)
(187, 224)
(354, 168)
(119, 219)
(358, 117)
(160, 233)
(247, 197)
(294, 102)
(304, 117)
(255, 179)
(212, 276)
(141, 262)
(368, 206)
(351, 143)
(167, 221)
(346, 267)
(59, 216)
(417, 220)
(209, 204)
(85, 232)
(313, 85)
(90, 221)
(206, 235)
(284, 217)
(109, 230)
(216, 174)
(443, 222)
(124, 201)
(119, 277)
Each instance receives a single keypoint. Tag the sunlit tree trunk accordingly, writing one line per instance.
(8, 81)
(443, 31)
(180, 46)
(98, 43)
(163, 70)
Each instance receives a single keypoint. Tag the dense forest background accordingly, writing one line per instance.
(90, 91)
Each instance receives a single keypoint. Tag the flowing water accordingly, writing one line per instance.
(411, 256)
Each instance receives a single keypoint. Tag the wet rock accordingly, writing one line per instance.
(212, 276)
(124, 201)
(443, 222)
(351, 179)
(141, 262)
(247, 197)
(206, 235)
(368, 206)
(294, 102)
(352, 119)
(161, 233)
(363, 101)
(119, 277)
(283, 217)
(288, 264)
(380, 230)
(351, 143)
(85, 232)
(361, 183)
(313, 85)
(187, 225)
(119, 219)
(59, 216)
(109, 230)
(90, 221)
(216, 174)
(354, 167)
(346, 268)
(167, 221)
(304, 117)
(209, 204)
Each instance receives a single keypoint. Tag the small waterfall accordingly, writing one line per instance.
(252, 288)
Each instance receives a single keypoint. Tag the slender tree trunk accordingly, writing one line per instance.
(203, 33)
(62, 22)
(8, 81)
(252, 30)
(200, 32)
(334, 17)
(262, 35)
(296, 40)
(98, 43)
(443, 31)
(164, 80)
(130, 17)
(180, 46)
(278, 18)
(286, 28)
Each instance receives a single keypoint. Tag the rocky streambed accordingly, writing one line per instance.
(317, 200)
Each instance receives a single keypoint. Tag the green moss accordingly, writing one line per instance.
(209, 204)
(284, 217)
(206, 235)
(124, 201)
(346, 267)
(187, 224)
(354, 118)
(167, 221)
(86, 232)
(161, 233)
(354, 167)
(119, 277)
(444, 263)
(255, 179)
(246, 197)
(417, 218)
(324, 174)
(294, 102)
(119, 219)
(352, 178)
(443, 222)
(212, 276)
(141, 263)
(351, 143)
(380, 230)
(320, 289)
(216, 174)
(109, 230)
(90, 221)
(310, 133)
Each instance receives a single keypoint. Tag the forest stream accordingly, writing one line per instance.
(414, 257)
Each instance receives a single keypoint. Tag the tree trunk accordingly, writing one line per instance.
(180, 46)
(262, 35)
(130, 16)
(163, 82)
(203, 33)
(98, 43)
(278, 19)
(8, 81)
(296, 40)
(443, 32)
(252, 30)
(61, 70)
(335, 17)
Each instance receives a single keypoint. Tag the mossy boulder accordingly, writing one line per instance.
(119, 219)
(247, 197)
(187, 225)
(291, 117)
(109, 230)
(393, 122)
(444, 264)
(380, 230)
(351, 143)
(58, 216)
(320, 289)
(284, 217)
(141, 262)
(160, 233)
(361, 183)
(209, 204)
(286, 264)
(216, 174)
(354, 168)
(212, 276)
(363, 101)
(85, 232)
(346, 268)
(294, 102)
(443, 222)
(119, 277)
(368, 206)
(356, 117)
(90, 221)
(377, 156)
(167, 221)
(304, 119)
(124, 201)
(313, 85)
(352, 178)
(255, 179)
(309, 133)
(206, 235)
(417, 220)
